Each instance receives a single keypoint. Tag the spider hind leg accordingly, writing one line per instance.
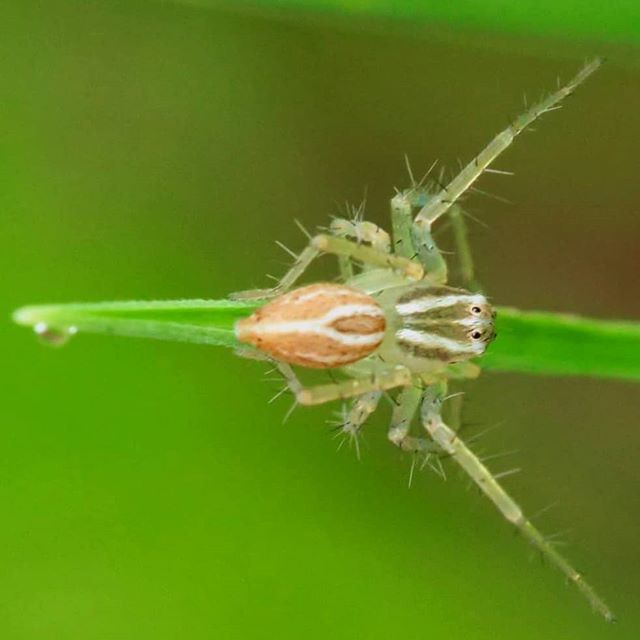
(452, 444)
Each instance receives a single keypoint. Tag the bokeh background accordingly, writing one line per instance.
(147, 490)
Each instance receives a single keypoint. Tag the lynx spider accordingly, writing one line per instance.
(396, 324)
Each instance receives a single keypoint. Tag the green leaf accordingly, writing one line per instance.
(198, 321)
(528, 342)
(562, 344)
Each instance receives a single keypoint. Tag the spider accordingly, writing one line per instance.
(396, 326)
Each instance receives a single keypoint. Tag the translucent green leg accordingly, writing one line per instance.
(353, 419)
(451, 443)
(388, 378)
(360, 231)
(338, 246)
(440, 203)
(402, 212)
(454, 404)
(463, 249)
(416, 241)
(404, 411)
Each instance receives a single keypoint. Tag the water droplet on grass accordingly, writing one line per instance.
(54, 336)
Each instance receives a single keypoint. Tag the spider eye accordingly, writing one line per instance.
(476, 335)
(476, 309)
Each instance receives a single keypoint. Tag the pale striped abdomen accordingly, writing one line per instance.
(319, 326)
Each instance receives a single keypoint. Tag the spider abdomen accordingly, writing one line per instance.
(320, 326)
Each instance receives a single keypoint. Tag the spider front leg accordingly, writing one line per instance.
(463, 248)
(451, 444)
(442, 201)
(361, 231)
(385, 378)
(416, 241)
(337, 246)
(406, 406)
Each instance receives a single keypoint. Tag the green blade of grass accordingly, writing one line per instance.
(562, 344)
(198, 321)
(528, 342)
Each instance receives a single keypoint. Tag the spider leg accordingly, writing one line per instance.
(404, 411)
(402, 209)
(385, 378)
(338, 246)
(361, 231)
(454, 405)
(440, 203)
(416, 241)
(352, 420)
(463, 249)
(451, 443)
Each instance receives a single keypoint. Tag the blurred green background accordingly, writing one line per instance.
(147, 490)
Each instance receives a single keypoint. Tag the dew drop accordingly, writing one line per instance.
(53, 336)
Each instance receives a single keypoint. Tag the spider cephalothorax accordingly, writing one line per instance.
(436, 325)
(394, 324)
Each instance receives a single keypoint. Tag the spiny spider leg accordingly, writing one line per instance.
(406, 406)
(338, 246)
(451, 443)
(413, 238)
(416, 241)
(454, 404)
(438, 204)
(353, 419)
(463, 249)
(361, 231)
(401, 222)
(385, 378)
